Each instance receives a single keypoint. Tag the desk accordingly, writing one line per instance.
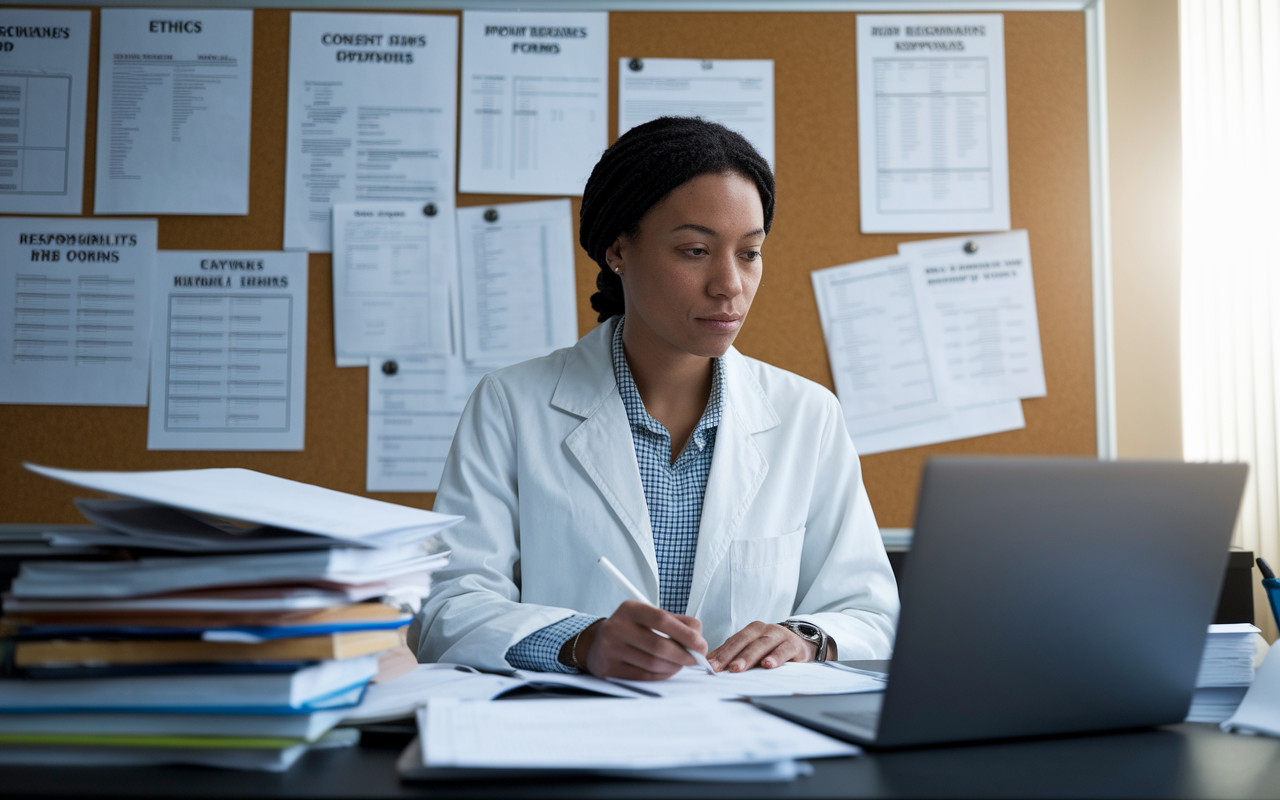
(1187, 760)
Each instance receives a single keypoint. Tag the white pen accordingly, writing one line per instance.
(628, 588)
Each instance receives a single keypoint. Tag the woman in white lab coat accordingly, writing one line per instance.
(725, 489)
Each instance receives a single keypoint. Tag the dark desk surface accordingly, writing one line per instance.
(1188, 760)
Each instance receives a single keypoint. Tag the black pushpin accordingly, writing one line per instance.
(430, 209)
(390, 367)
(635, 64)
(971, 247)
(491, 215)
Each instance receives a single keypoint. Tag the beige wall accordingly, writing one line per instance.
(1143, 115)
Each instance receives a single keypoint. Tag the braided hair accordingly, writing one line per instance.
(640, 169)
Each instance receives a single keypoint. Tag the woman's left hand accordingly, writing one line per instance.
(763, 644)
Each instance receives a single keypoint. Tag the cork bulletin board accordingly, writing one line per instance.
(816, 226)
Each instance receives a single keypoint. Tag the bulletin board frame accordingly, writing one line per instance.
(32, 499)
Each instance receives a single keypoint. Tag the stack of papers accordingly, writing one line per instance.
(1226, 671)
(661, 738)
(229, 637)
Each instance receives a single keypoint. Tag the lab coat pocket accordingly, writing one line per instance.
(764, 576)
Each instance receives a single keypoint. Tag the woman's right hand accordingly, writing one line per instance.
(625, 645)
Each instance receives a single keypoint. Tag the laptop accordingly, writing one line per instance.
(1046, 596)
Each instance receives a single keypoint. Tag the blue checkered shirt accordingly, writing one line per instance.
(673, 493)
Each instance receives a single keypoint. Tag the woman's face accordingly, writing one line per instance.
(691, 271)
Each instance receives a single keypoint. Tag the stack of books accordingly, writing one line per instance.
(221, 637)
(1226, 671)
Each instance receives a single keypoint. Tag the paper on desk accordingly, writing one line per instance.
(393, 267)
(1259, 712)
(174, 96)
(790, 678)
(736, 93)
(242, 494)
(535, 100)
(43, 89)
(892, 387)
(932, 140)
(228, 351)
(372, 107)
(978, 303)
(401, 696)
(584, 733)
(518, 291)
(75, 321)
(415, 403)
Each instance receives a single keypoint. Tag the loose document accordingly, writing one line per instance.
(937, 343)
(932, 135)
(174, 94)
(518, 292)
(372, 113)
(242, 494)
(44, 70)
(535, 100)
(735, 93)
(415, 404)
(611, 734)
(228, 351)
(76, 322)
(790, 678)
(394, 266)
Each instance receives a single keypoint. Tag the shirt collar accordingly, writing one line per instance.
(641, 419)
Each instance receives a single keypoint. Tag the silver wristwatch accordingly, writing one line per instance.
(810, 633)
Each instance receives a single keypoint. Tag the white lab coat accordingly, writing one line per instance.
(544, 470)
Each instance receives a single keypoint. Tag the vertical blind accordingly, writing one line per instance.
(1231, 252)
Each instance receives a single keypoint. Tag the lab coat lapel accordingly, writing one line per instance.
(602, 443)
(738, 468)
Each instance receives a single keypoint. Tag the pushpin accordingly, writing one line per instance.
(390, 367)
(635, 64)
(971, 247)
(491, 215)
(429, 209)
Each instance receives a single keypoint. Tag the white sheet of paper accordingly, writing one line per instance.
(884, 373)
(735, 93)
(961, 422)
(393, 265)
(75, 324)
(372, 115)
(535, 100)
(174, 96)
(401, 696)
(1259, 712)
(415, 403)
(979, 310)
(790, 678)
(892, 387)
(228, 351)
(586, 733)
(242, 494)
(933, 150)
(44, 79)
(518, 292)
